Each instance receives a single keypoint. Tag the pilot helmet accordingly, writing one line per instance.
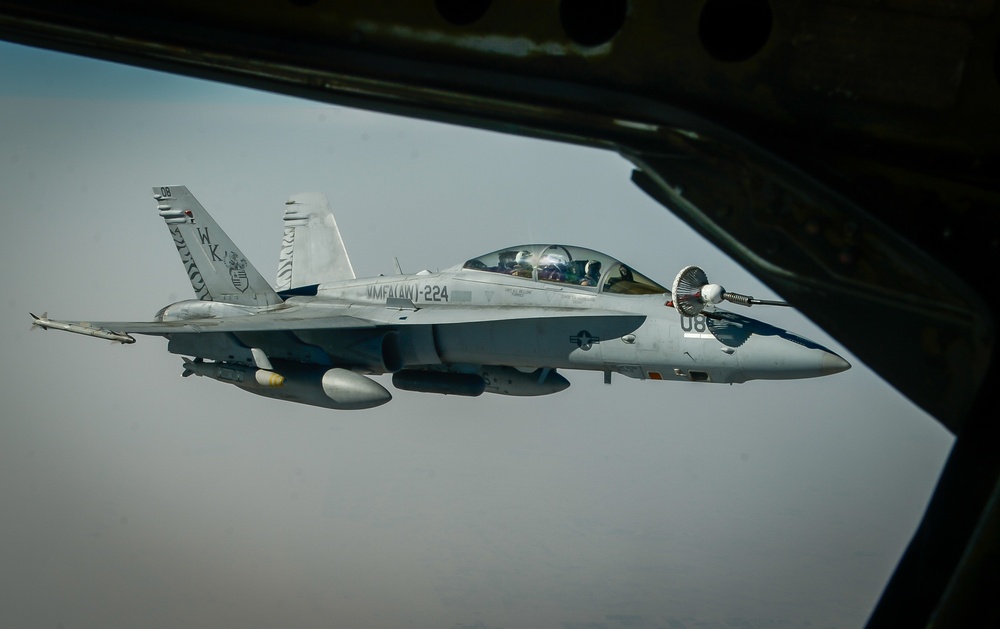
(523, 258)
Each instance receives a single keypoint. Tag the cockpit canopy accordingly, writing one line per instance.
(567, 265)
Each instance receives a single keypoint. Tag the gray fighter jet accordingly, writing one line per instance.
(503, 322)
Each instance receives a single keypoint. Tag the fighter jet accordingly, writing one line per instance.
(505, 322)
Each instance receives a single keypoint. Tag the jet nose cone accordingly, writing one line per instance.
(787, 357)
(833, 364)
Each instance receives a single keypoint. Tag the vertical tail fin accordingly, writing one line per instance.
(218, 270)
(312, 251)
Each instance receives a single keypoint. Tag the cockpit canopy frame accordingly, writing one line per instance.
(568, 265)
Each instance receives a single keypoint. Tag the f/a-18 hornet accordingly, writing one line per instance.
(503, 322)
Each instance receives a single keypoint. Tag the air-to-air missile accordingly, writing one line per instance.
(45, 323)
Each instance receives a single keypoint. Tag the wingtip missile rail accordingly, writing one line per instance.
(45, 323)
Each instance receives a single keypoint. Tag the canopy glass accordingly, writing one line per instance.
(562, 264)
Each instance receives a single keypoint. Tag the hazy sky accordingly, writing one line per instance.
(132, 497)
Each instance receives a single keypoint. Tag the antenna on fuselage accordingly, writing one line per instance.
(691, 292)
(399, 269)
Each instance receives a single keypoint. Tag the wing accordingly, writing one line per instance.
(256, 323)
(376, 338)
(334, 318)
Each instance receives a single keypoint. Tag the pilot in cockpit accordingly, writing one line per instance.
(505, 263)
(624, 275)
(592, 273)
(523, 266)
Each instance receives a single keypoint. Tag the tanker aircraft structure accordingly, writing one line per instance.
(504, 322)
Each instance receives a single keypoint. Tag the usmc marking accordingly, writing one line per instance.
(433, 292)
(394, 291)
(412, 292)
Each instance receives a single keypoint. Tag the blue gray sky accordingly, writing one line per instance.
(133, 497)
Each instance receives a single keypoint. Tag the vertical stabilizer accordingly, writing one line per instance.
(312, 251)
(217, 269)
